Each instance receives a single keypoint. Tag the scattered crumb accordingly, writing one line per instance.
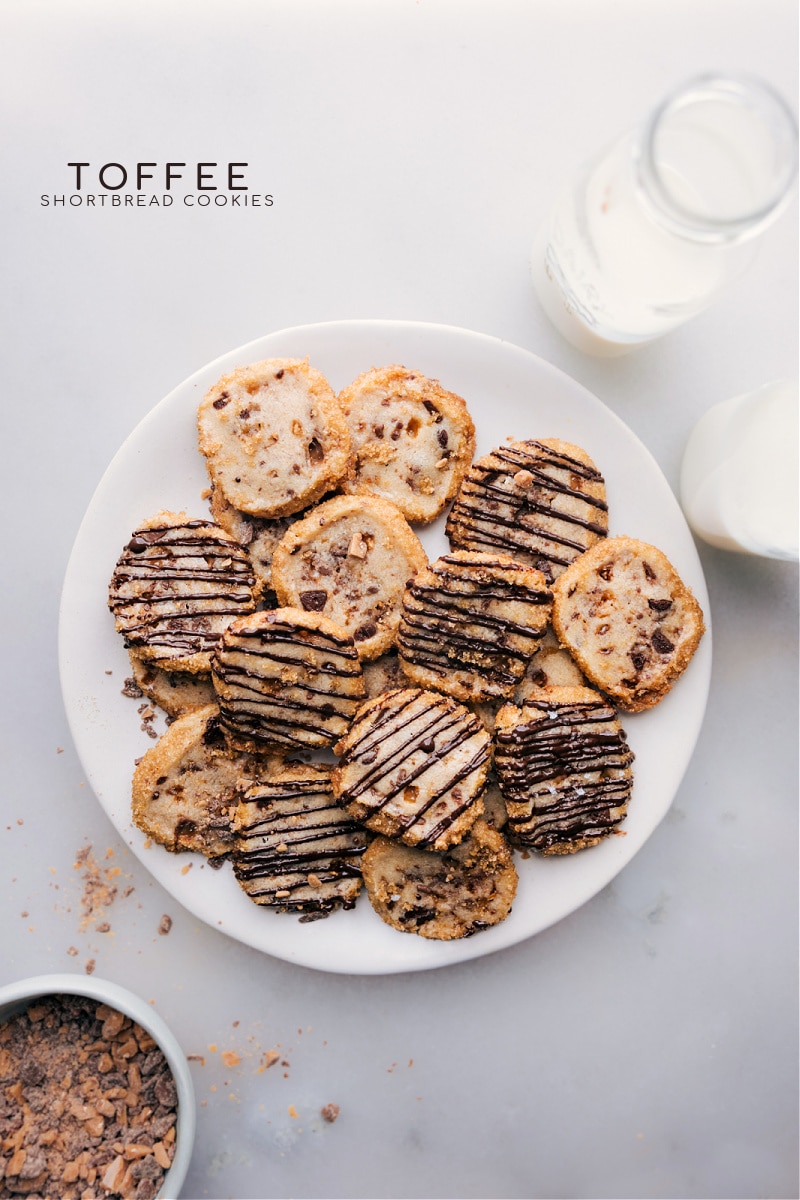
(131, 689)
(329, 1112)
(269, 1059)
(196, 1058)
(185, 870)
(165, 924)
(103, 927)
(59, 749)
(72, 951)
(90, 966)
(230, 1058)
(293, 1111)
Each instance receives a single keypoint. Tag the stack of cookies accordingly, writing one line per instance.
(346, 715)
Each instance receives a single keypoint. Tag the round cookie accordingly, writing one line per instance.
(185, 787)
(626, 617)
(412, 440)
(286, 679)
(258, 536)
(176, 692)
(470, 624)
(350, 559)
(295, 849)
(413, 766)
(177, 585)
(541, 502)
(274, 437)
(467, 888)
(564, 768)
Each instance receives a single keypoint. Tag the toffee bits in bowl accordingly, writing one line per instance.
(96, 1099)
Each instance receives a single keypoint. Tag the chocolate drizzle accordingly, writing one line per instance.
(564, 769)
(536, 504)
(415, 762)
(459, 617)
(282, 685)
(177, 586)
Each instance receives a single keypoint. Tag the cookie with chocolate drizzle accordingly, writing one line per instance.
(177, 585)
(564, 767)
(451, 895)
(413, 766)
(286, 679)
(471, 622)
(542, 503)
(628, 620)
(296, 849)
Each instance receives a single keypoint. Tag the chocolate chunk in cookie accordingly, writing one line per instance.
(470, 624)
(177, 585)
(286, 679)
(540, 502)
(628, 620)
(296, 849)
(564, 767)
(451, 895)
(413, 766)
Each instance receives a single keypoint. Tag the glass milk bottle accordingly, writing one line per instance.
(649, 234)
(740, 479)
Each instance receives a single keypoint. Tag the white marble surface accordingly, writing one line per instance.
(647, 1045)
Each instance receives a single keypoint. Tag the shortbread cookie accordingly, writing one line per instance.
(177, 585)
(541, 502)
(296, 849)
(274, 437)
(551, 666)
(258, 536)
(471, 622)
(628, 620)
(495, 812)
(383, 674)
(467, 888)
(286, 679)
(175, 692)
(185, 787)
(349, 559)
(564, 768)
(412, 440)
(413, 766)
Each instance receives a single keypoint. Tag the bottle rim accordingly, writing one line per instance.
(746, 90)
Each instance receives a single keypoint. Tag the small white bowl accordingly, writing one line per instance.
(17, 996)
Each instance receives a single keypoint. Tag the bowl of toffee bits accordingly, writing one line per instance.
(96, 1099)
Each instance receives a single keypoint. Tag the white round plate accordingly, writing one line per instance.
(509, 392)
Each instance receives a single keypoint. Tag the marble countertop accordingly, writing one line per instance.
(644, 1046)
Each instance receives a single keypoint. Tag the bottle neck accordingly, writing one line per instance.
(717, 161)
